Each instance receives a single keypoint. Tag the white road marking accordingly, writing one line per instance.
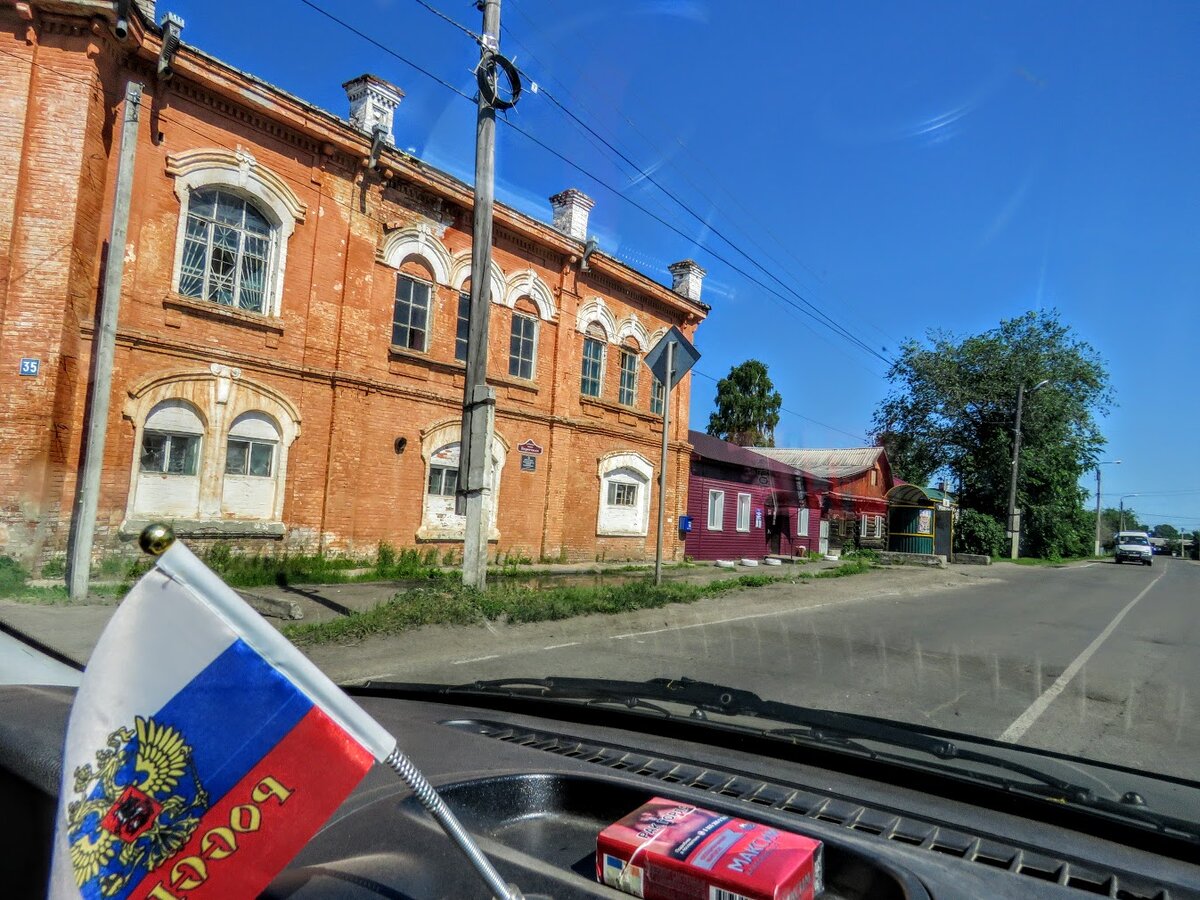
(459, 662)
(1024, 722)
(780, 612)
(560, 646)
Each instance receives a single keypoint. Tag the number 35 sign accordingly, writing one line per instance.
(30, 366)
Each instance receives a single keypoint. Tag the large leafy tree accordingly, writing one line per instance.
(952, 408)
(747, 406)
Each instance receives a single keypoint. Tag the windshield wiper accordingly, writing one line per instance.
(826, 729)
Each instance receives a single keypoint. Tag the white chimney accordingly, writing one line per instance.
(687, 276)
(571, 209)
(372, 102)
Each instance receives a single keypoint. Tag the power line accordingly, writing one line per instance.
(445, 18)
(819, 314)
(815, 312)
(764, 226)
(388, 50)
(857, 437)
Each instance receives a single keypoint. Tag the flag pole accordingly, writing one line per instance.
(158, 537)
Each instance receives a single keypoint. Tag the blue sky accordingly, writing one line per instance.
(901, 166)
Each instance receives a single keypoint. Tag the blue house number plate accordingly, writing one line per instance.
(30, 366)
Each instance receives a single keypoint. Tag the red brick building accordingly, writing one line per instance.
(288, 363)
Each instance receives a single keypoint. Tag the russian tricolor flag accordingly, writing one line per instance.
(203, 749)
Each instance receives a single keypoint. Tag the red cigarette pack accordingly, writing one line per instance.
(670, 850)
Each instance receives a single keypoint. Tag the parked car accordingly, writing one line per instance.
(1134, 546)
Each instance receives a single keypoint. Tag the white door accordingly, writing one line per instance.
(823, 544)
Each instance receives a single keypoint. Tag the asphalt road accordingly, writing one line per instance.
(1096, 660)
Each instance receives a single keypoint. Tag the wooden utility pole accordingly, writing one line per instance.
(479, 401)
(104, 342)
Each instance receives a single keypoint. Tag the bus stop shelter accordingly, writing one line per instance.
(920, 520)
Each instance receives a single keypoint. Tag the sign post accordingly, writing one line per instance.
(670, 359)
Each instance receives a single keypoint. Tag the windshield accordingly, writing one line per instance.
(843, 329)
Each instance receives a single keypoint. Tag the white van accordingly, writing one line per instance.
(1134, 546)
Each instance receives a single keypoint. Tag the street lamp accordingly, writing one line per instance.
(1107, 462)
(1122, 528)
(1014, 529)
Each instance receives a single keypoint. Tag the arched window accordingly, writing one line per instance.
(410, 315)
(440, 451)
(522, 344)
(630, 362)
(591, 380)
(169, 462)
(251, 467)
(226, 251)
(625, 480)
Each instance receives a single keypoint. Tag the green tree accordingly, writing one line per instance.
(952, 409)
(975, 532)
(1170, 532)
(747, 406)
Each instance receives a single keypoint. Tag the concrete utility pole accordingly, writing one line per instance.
(479, 400)
(662, 468)
(1014, 526)
(104, 342)
(1107, 462)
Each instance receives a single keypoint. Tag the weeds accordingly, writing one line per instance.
(452, 604)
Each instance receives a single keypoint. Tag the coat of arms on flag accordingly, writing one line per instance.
(204, 750)
(134, 808)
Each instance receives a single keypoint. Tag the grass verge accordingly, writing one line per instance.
(452, 604)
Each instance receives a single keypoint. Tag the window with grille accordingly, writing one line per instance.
(410, 320)
(464, 327)
(226, 251)
(592, 374)
(169, 454)
(521, 346)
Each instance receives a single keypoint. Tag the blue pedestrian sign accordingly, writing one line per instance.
(30, 366)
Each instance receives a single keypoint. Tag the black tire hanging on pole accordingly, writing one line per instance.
(485, 76)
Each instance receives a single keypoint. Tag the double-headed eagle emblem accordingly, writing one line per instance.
(136, 808)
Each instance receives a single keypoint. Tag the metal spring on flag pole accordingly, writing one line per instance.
(403, 766)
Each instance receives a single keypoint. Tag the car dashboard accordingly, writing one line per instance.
(536, 782)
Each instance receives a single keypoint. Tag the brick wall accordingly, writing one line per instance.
(326, 352)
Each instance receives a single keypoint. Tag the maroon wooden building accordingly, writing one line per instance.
(744, 505)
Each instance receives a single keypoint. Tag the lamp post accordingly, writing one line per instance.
(1122, 526)
(1014, 528)
(1107, 462)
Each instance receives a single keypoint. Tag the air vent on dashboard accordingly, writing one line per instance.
(797, 800)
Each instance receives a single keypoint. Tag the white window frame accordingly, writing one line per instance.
(658, 396)
(871, 526)
(429, 302)
(171, 437)
(459, 321)
(219, 396)
(250, 443)
(238, 172)
(616, 520)
(802, 523)
(628, 353)
(583, 361)
(743, 506)
(533, 346)
(452, 528)
(719, 496)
